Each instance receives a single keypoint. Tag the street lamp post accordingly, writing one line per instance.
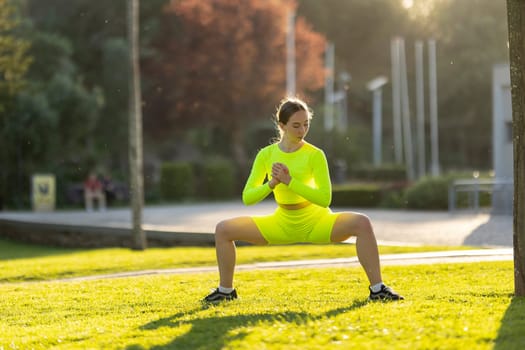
(344, 79)
(375, 86)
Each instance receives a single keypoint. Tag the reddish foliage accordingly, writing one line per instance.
(224, 62)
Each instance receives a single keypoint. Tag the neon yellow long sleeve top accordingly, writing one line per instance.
(308, 169)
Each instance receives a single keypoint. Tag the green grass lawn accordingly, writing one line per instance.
(455, 306)
(24, 262)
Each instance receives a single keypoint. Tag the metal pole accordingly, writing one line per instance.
(405, 108)
(377, 126)
(432, 81)
(343, 123)
(290, 55)
(329, 88)
(420, 110)
(396, 100)
(339, 100)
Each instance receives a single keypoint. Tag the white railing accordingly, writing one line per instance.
(474, 187)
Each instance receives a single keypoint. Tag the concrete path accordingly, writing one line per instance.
(391, 226)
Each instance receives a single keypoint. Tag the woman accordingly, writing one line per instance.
(299, 179)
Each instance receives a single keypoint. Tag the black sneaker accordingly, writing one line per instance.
(386, 293)
(217, 296)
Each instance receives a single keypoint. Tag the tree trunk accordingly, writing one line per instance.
(516, 21)
(135, 128)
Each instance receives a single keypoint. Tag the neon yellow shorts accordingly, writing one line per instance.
(312, 224)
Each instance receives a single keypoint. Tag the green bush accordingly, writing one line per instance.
(429, 193)
(218, 180)
(393, 200)
(357, 195)
(393, 195)
(383, 173)
(176, 180)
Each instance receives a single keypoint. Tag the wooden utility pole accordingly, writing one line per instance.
(135, 128)
(516, 22)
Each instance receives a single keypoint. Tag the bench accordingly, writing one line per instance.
(119, 192)
(475, 186)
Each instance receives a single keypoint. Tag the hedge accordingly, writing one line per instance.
(177, 180)
(383, 173)
(356, 195)
(431, 193)
(218, 179)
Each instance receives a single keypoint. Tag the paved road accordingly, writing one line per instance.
(391, 226)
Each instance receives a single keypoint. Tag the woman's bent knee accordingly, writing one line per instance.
(222, 229)
(351, 224)
(363, 223)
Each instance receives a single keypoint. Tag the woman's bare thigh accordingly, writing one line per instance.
(241, 228)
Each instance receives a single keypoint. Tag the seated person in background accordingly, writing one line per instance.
(93, 190)
(108, 187)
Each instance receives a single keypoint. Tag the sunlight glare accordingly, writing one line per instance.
(408, 3)
(420, 9)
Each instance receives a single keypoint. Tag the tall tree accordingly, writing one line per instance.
(49, 126)
(516, 21)
(14, 59)
(96, 33)
(222, 64)
(14, 63)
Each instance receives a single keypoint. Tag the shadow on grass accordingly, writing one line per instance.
(511, 335)
(213, 333)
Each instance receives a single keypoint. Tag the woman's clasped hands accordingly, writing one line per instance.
(280, 174)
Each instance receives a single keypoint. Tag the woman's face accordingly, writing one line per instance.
(297, 126)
